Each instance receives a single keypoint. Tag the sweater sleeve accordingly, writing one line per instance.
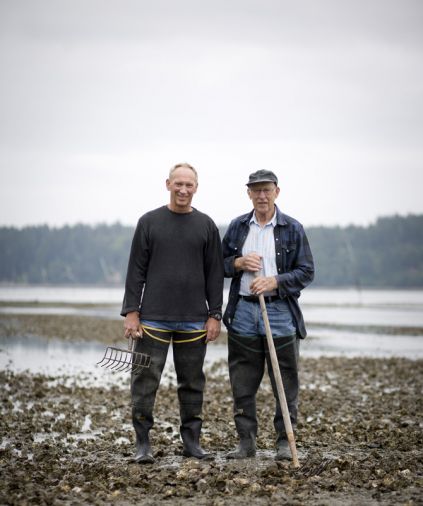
(214, 271)
(137, 269)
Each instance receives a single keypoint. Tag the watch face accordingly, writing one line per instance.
(216, 316)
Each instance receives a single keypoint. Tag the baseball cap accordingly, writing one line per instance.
(262, 176)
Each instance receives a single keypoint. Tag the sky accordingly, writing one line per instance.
(99, 98)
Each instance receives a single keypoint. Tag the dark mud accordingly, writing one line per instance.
(66, 327)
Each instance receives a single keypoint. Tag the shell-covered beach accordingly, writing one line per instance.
(67, 440)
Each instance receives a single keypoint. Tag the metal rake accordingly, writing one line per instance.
(118, 359)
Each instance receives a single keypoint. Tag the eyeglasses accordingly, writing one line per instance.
(257, 191)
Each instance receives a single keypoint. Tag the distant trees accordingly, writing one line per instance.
(386, 254)
(80, 254)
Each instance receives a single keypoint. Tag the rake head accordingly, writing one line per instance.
(128, 360)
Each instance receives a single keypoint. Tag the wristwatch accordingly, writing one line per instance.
(216, 316)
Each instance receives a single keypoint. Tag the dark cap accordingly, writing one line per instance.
(262, 176)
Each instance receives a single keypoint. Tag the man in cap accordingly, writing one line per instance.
(265, 252)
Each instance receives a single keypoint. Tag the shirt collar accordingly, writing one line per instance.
(272, 222)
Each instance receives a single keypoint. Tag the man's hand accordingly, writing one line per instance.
(250, 262)
(263, 284)
(213, 329)
(131, 325)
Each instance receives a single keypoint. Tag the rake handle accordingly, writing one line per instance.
(279, 385)
(132, 341)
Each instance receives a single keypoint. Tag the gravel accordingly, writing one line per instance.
(359, 438)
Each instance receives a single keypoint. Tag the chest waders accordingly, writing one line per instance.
(189, 350)
(247, 357)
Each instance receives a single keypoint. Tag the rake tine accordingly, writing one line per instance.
(106, 363)
(112, 358)
(127, 361)
(123, 362)
(121, 366)
(117, 360)
(135, 367)
(142, 360)
(104, 358)
(129, 367)
(136, 363)
(100, 363)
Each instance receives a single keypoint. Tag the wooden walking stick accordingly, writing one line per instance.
(279, 384)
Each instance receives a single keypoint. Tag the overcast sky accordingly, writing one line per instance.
(99, 98)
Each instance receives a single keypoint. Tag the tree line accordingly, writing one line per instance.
(388, 253)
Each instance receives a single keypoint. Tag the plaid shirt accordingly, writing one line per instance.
(294, 263)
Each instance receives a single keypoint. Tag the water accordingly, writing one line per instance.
(388, 308)
(396, 308)
(340, 322)
(53, 357)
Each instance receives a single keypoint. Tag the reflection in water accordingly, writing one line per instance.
(54, 357)
(365, 315)
(333, 342)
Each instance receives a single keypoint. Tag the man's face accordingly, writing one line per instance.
(263, 196)
(182, 186)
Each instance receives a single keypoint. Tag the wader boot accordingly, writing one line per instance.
(190, 434)
(144, 387)
(245, 449)
(246, 368)
(142, 424)
(288, 356)
(188, 357)
(283, 451)
(246, 426)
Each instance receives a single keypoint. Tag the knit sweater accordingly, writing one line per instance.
(175, 268)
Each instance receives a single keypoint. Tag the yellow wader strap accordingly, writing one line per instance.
(149, 332)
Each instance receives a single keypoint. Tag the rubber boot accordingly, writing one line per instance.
(283, 451)
(144, 454)
(246, 427)
(142, 424)
(190, 434)
(245, 449)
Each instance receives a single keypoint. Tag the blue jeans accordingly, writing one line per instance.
(248, 355)
(248, 321)
(182, 326)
